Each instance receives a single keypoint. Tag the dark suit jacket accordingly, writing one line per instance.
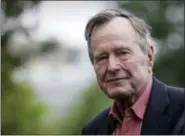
(163, 115)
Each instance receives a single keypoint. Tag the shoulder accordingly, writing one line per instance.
(180, 126)
(176, 94)
(176, 98)
(96, 121)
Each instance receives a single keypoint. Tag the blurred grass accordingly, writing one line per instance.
(89, 104)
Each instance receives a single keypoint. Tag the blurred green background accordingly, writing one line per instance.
(24, 112)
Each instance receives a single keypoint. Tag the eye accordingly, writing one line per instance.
(101, 58)
(122, 53)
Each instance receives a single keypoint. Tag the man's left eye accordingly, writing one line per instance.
(122, 53)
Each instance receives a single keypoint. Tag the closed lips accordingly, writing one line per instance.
(115, 79)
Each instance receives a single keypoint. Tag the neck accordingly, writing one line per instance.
(142, 88)
(127, 102)
(123, 104)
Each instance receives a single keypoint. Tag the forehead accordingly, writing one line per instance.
(118, 28)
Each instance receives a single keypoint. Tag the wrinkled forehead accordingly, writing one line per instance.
(112, 43)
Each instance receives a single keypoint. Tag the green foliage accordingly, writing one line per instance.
(21, 110)
(92, 101)
(170, 68)
(154, 14)
(48, 45)
(14, 8)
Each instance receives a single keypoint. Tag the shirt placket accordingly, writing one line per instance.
(126, 122)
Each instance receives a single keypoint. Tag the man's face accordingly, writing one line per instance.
(120, 65)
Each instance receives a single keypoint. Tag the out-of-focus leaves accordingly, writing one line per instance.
(14, 8)
(170, 67)
(91, 102)
(153, 12)
(5, 38)
(48, 46)
(22, 111)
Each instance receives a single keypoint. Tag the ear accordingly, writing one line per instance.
(151, 56)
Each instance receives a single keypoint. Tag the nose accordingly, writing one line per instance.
(113, 64)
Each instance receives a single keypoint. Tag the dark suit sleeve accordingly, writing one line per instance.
(97, 125)
(87, 129)
(180, 126)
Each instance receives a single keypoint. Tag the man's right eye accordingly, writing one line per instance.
(99, 59)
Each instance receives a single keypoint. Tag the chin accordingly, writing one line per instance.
(117, 93)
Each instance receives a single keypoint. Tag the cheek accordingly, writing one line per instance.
(100, 72)
(136, 66)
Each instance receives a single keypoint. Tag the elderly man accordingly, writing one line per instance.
(121, 50)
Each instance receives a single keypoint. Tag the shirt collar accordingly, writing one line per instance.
(141, 103)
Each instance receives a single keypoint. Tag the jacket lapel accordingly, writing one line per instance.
(107, 124)
(157, 115)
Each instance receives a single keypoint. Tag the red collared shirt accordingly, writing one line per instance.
(132, 121)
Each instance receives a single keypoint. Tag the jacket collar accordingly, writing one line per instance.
(158, 99)
(157, 114)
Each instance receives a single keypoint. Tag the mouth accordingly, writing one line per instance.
(116, 79)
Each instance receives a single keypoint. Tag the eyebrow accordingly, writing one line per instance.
(121, 48)
(98, 54)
